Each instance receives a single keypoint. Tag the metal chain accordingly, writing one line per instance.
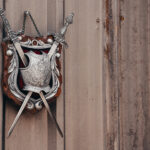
(27, 13)
(22, 31)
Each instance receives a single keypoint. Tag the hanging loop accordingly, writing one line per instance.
(27, 13)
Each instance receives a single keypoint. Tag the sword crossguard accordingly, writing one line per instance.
(20, 32)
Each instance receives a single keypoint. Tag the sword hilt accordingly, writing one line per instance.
(11, 34)
(18, 34)
(5, 21)
(59, 37)
(68, 21)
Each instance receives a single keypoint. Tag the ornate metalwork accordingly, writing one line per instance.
(35, 44)
(40, 74)
(53, 73)
(37, 74)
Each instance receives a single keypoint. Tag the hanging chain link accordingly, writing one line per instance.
(27, 13)
(22, 31)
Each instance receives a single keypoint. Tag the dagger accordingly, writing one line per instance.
(19, 112)
(13, 37)
(59, 37)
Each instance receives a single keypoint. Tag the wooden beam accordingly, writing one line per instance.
(84, 101)
(134, 75)
(111, 48)
(55, 22)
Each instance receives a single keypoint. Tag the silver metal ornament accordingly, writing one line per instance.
(40, 74)
(37, 74)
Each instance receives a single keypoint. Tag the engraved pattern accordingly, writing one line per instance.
(12, 80)
(35, 44)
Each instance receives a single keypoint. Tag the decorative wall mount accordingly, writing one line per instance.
(31, 75)
(36, 76)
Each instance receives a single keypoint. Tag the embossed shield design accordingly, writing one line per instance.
(41, 74)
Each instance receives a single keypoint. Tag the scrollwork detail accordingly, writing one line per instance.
(13, 75)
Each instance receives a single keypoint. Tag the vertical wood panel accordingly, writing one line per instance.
(111, 46)
(55, 22)
(31, 131)
(61, 99)
(1, 95)
(83, 80)
(134, 75)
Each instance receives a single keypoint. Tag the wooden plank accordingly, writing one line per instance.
(83, 77)
(61, 99)
(1, 95)
(31, 131)
(55, 22)
(134, 75)
(111, 46)
(49, 130)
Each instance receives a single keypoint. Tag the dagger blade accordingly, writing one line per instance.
(21, 53)
(50, 113)
(19, 113)
(53, 49)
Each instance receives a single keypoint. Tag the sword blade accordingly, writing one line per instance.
(53, 49)
(19, 112)
(61, 34)
(50, 113)
(21, 53)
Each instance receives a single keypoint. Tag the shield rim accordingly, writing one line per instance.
(8, 61)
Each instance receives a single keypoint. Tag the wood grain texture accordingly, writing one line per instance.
(55, 15)
(134, 75)
(31, 131)
(1, 95)
(106, 86)
(111, 88)
(83, 77)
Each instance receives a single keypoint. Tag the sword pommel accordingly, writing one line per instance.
(59, 37)
(68, 21)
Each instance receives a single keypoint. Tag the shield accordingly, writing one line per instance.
(31, 75)
(41, 74)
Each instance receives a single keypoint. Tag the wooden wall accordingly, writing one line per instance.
(83, 77)
(134, 76)
(34, 131)
(104, 103)
(127, 74)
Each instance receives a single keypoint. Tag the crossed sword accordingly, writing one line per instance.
(14, 38)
